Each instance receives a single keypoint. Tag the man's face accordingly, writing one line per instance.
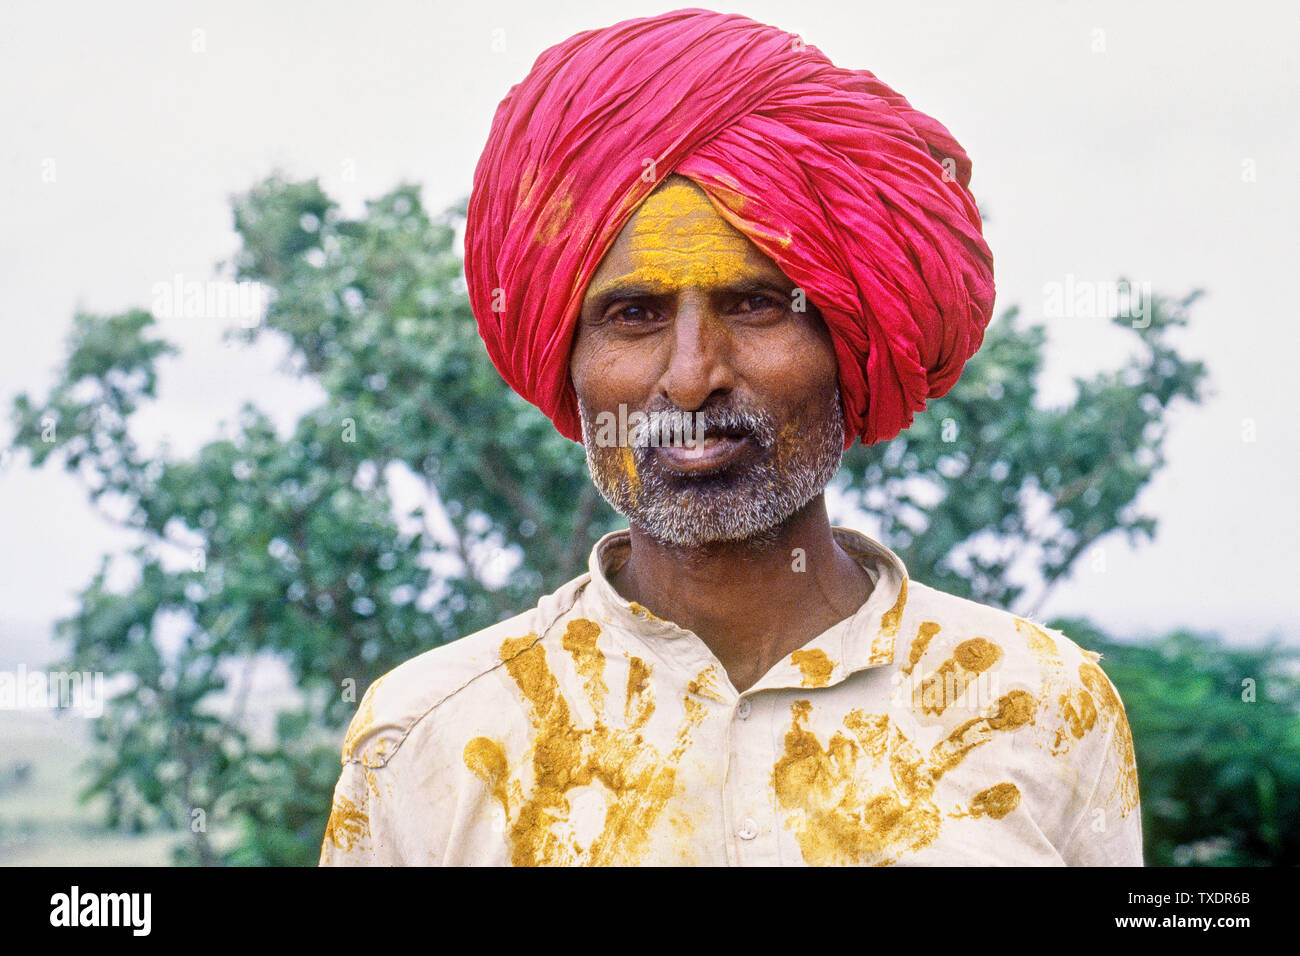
(686, 315)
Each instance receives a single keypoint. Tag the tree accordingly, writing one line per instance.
(986, 485)
(291, 548)
(1216, 731)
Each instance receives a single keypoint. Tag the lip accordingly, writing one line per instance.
(696, 459)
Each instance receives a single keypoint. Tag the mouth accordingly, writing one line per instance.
(717, 451)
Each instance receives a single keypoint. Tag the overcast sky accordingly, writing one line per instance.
(1153, 140)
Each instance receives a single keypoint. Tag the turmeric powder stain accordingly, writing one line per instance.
(580, 641)
(814, 665)
(362, 724)
(951, 679)
(924, 634)
(1039, 642)
(1079, 711)
(556, 214)
(637, 780)
(996, 802)
(640, 702)
(891, 619)
(1126, 783)
(642, 611)
(349, 825)
(487, 759)
(705, 684)
(868, 794)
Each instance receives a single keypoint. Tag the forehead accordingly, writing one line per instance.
(677, 239)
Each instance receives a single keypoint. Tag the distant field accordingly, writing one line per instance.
(41, 822)
(41, 759)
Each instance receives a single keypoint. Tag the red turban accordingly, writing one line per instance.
(859, 198)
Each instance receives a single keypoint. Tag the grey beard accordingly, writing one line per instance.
(749, 505)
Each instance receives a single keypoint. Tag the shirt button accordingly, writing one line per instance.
(742, 709)
(748, 829)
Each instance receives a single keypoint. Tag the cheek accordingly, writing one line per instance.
(588, 368)
(607, 373)
(798, 364)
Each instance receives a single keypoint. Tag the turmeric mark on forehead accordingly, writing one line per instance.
(679, 240)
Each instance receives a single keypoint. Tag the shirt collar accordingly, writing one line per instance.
(864, 639)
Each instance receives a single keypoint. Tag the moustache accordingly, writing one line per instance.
(724, 421)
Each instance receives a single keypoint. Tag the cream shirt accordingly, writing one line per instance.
(923, 730)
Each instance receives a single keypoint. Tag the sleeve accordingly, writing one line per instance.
(1108, 827)
(348, 840)
(349, 834)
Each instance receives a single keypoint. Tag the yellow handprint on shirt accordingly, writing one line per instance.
(634, 778)
(838, 819)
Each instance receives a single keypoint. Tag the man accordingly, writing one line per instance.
(699, 221)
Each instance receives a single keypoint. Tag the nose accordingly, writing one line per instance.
(699, 364)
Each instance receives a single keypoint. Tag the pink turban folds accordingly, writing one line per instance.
(859, 198)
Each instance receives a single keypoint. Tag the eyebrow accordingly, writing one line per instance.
(616, 289)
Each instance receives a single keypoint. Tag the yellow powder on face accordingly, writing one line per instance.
(629, 471)
(679, 240)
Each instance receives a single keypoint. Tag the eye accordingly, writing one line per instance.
(759, 302)
(630, 314)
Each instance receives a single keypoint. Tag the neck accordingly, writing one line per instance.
(752, 602)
